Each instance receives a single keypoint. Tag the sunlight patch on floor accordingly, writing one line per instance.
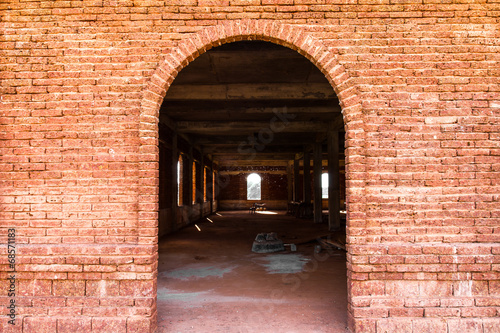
(266, 212)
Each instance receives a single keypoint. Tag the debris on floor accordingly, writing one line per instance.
(336, 240)
(267, 243)
(331, 240)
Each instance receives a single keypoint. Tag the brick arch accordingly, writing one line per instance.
(290, 36)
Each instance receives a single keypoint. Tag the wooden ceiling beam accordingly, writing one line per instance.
(234, 164)
(250, 127)
(211, 111)
(245, 149)
(228, 141)
(166, 120)
(258, 157)
(238, 91)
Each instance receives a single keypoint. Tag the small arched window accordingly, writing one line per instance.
(324, 185)
(253, 187)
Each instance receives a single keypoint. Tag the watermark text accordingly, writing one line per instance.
(11, 253)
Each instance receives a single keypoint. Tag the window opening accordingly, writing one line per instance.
(324, 185)
(179, 181)
(253, 187)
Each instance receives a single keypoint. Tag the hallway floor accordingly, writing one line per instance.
(211, 281)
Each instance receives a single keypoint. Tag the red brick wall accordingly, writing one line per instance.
(234, 187)
(81, 85)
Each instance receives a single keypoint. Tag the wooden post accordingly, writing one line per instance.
(216, 185)
(317, 173)
(200, 182)
(289, 173)
(333, 181)
(307, 177)
(296, 175)
(210, 186)
(189, 185)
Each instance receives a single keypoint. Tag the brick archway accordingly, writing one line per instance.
(290, 36)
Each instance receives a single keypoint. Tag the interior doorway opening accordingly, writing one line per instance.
(243, 109)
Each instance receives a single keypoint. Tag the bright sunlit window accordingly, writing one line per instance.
(179, 181)
(324, 186)
(253, 187)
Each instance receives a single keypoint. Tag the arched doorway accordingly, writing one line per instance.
(333, 72)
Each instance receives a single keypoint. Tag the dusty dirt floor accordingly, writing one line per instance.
(211, 281)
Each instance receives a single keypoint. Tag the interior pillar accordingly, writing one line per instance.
(289, 173)
(210, 183)
(296, 175)
(200, 184)
(217, 186)
(307, 176)
(174, 188)
(189, 185)
(318, 195)
(333, 181)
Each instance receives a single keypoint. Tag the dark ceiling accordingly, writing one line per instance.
(251, 89)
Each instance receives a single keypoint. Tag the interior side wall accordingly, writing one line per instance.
(173, 216)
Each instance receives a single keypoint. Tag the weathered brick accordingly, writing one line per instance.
(39, 324)
(138, 325)
(402, 288)
(109, 324)
(465, 325)
(366, 288)
(429, 325)
(394, 325)
(490, 325)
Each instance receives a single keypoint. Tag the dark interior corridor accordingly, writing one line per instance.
(251, 127)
